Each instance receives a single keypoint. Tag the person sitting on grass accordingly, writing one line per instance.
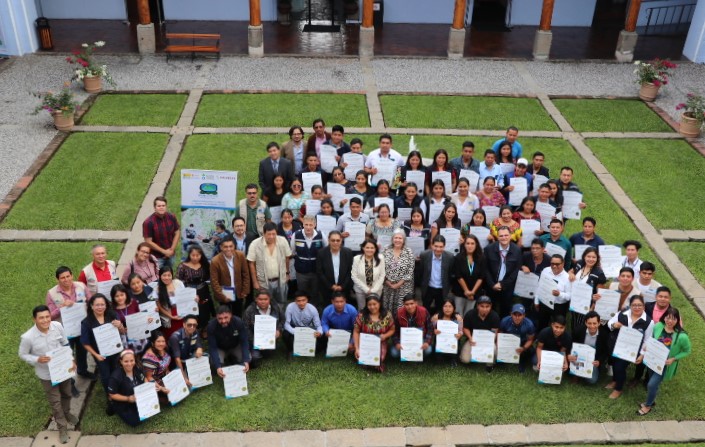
(185, 344)
(338, 315)
(517, 324)
(448, 313)
(374, 319)
(121, 388)
(553, 338)
(481, 317)
(411, 315)
(301, 313)
(156, 362)
(228, 343)
(262, 305)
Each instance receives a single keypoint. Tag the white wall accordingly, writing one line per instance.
(17, 26)
(84, 9)
(216, 10)
(565, 12)
(419, 11)
(694, 48)
(643, 15)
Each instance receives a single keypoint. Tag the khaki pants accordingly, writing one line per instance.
(59, 398)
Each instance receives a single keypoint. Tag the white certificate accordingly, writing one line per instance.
(571, 201)
(482, 234)
(370, 350)
(403, 214)
(150, 308)
(326, 224)
(580, 297)
(628, 344)
(445, 177)
(387, 201)
(346, 207)
(648, 294)
(235, 381)
(526, 285)
(610, 260)
(544, 291)
(105, 287)
(229, 293)
(578, 251)
(355, 162)
(356, 235)
(538, 181)
(384, 240)
(507, 168)
(452, 236)
(446, 341)
(528, 229)
(434, 211)
(507, 345)
(472, 176)
(546, 212)
(483, 350)
(138, 325)
(313, 206)
(338, 343)
(199, 372)
(175, 383)
(337, 194)
(655, 356)
(304, 342)
(71, 318)
(386, 169)
(520, 190)
(583, 366)
(608, 304)
(491, 213)
(147, 400)
(265, 332)
(107, 337)
(185, 301)
(60, 365)
(328, 154)
(276, 212)
(551, 367)
(553, 249)
(411, 341)
(416, 245)
(311, 179)
(465, 213)
(418, 178)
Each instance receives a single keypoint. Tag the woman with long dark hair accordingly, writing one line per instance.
(376, 320)
(469, 272)
(195, 273)
(156, 361)
(367, 272)
(441, 163)
(166, 288)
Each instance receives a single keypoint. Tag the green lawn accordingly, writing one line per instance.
(94, 181)
(464, 112)
(282, 110)
(664, 178)
(161, 110)
(691, 254)
(610, 115)
(27, 275)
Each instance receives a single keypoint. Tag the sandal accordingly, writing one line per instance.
(643, 411)
(615, 394)
(610, 386)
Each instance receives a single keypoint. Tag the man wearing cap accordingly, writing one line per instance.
(519, 172)
(517, 324)
(481, 317)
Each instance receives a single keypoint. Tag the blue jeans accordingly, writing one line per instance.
(652, 388)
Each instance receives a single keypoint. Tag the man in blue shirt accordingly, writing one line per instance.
(511, 137)
(338, 315)
(517, 324)
(301, 313)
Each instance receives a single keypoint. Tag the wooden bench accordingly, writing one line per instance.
(194, 47)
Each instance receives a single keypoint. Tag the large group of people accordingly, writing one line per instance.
(372, 244)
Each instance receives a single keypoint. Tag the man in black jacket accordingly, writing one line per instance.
(503, 263)
(333, 265)
(593, 334)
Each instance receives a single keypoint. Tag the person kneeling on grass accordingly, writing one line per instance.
(411, 315)
(481, 317)
(553, 338)
(121, 388)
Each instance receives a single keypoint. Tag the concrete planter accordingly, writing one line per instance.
(648, 91)
(689, 126)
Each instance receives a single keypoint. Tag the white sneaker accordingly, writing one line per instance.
(609, 370)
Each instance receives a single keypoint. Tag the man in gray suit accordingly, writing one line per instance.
(436, 266)
(275, 165)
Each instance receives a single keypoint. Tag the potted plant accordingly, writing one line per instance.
(651, 76)
(61, 106)
(693, 117)
(90, 71)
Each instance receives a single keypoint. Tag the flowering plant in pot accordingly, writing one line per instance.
(90, 71)
(693, 116)
(61, 106)
(651, 76)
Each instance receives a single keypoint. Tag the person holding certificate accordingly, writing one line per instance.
(436, 201)
(382, 227)
(314, 201)
(588, 235)
(121, 388)
(448, 219)
(163, 294)
(469, 273)
(587, 271)
(553, 338)
(338, 315)
(634, 317)
(556, 237)
(478, 222)
(227, 341)
(383, 152)
(558, 292)
(302, 314)
(489, 195)
(100, 313)
(441, 163)
(411, 315)
(185, 344)
(367, 272)
(518, 325)
(374, 319)
(295, 198)
(505, 220)
(44, 337)
(417, 226)
(466, 161)
(447, 314)
(565, 183)
(262, 305)
(156, 361)
(595, 335)
(519, 172)
(668, 331)
(399, 263)
(195, 273)
(413, 172)
(625, 286)
(465, 200)
(408, 200)
(482, 317)
(100, 270)
(123, 306)
(383, 194)
(527, 211)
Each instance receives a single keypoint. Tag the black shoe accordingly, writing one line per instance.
(109, 410)
(88, 375)
(489, 369)
(453, 363)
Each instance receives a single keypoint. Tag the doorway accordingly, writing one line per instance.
(156, 11)
(610, 13)
(490, 15)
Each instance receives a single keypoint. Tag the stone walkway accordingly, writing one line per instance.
(368, 75)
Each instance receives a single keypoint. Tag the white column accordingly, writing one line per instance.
(694, 48)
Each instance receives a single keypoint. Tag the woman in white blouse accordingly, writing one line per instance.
(367, 272)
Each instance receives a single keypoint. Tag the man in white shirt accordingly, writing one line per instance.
(489, 168)
(560, 293)
(46, 336)
(646, 282)
(355, 215)
(631, 250)
(384, 151)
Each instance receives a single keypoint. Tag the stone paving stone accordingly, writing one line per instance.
(142, 440)
(664, 431)
(466, 435)
(345, 438)
(8, 235)
(174, 440)
(420, 436)
(51, 439)
(507, 434)
(625, 431)
(97, 441)
(384, 437)
(546, 433)
(224, 439)
(303, 438)
(261, 439)
(586, 433)
(696, 235)
(16, 442)
(57, 235)
(695, 430)
(675, 235)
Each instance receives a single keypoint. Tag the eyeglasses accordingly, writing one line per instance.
(636, 306)
(190, 325)
(296, 186)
